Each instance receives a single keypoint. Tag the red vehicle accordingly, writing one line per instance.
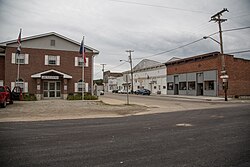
(5, 96)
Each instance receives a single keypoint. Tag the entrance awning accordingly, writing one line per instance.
(39, 75)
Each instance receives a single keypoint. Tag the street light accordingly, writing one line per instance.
(224, 75)
(131, 71)
(206, 37)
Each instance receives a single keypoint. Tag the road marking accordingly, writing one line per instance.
(184, 125)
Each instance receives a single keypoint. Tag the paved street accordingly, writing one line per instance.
(217, 137)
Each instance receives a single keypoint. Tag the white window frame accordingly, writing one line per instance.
(78, 87)
(23, 85)
(24, 57)
(79, 60)
(47, 60)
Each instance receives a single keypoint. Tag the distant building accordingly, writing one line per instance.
(110, 81)
(151, 75)
(50, 66)
(200, 75)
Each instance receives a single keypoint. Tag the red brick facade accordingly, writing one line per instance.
(35, 73)
(36, 65)
(237, 69)
(2, 69)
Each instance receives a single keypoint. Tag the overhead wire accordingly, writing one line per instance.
(160, 6)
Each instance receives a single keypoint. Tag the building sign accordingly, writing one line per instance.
(50, 77)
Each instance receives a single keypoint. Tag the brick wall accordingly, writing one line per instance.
(239, 76)
(2, 69)
(210, 63)
(237, 69)
(36, 65)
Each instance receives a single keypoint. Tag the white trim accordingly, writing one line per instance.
(58, 60)
(26, 58)
(38, 75)
(12, 85)
(26, 88)
(13, 58)
(76, 61)
(86, 87)
(87, 62)
(76, 87)
(46, 60)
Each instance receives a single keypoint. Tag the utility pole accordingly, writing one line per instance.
(103, 75)
(130, 61)
(217, 18)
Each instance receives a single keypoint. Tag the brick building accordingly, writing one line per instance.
(50, 66)
(200, 75)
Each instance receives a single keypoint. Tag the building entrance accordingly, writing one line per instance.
(52, 89)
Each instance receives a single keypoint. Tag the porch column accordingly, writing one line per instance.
(65, 89)
(38, 89)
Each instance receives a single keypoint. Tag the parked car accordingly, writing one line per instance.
(17, 93)
(143, 92)
(5, 96)
(115, 91)
(123, 91)
(101, 92)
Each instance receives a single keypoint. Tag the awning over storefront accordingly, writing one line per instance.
(39, 75)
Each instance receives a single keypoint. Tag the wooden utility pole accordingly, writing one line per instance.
(103, 65)
(217, 18)
(131, 66)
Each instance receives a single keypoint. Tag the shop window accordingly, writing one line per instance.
(170, 85)
(183, 85)
(209, 85)
(191, 85)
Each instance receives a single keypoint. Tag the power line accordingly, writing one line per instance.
(159, 6)
(242, 51)
(235, 29)
(157, 54)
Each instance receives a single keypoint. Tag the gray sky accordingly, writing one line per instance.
(148, 27)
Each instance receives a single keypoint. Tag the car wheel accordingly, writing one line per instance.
(4, 104)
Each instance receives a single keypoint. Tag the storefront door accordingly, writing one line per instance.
(51, 89)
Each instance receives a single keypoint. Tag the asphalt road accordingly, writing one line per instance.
(211, 137)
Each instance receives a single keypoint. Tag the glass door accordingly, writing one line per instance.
(52, 89)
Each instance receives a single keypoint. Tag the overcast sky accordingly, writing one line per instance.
(148, 27)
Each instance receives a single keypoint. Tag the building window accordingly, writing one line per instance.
(183, 86)
(52, 60)
(209, 85)
(191, 85)
(20, 58)
(170, 85)
(20, 83)
(154, 87)
(52, 42)
(79, 62)
(164, 87)
(79, 86)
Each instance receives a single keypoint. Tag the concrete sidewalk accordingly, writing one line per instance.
(113, 101)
